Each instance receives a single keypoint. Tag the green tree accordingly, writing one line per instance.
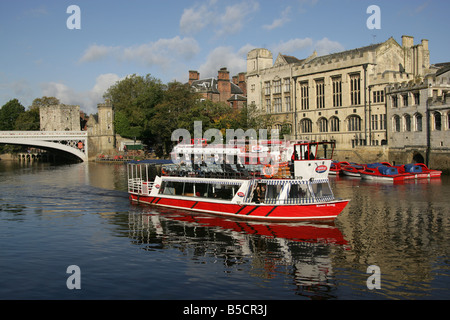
(9, 114)
(134, 99)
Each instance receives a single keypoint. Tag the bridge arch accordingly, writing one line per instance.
(74, 143)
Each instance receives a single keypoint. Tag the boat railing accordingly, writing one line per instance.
(139, 186)
(303, 200)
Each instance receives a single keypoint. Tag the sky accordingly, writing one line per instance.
(48, 49)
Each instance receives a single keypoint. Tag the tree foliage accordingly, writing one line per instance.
(9, 114)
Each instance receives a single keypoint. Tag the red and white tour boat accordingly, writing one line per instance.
(280, 192)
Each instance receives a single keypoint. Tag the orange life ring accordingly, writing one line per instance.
(266, 173)
(80, 145)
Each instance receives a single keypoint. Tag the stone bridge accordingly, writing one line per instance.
(74, 143)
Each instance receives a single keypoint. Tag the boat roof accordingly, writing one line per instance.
(240, 181)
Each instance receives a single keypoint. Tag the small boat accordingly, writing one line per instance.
(386, 173)
(352, 170)
(420, 170)
(336, 167)
(248, 192)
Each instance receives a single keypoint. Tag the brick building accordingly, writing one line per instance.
(220, 89)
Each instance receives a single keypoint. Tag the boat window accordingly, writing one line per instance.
(299, 191)
(273, 191)
(223, 191)
(321, 190)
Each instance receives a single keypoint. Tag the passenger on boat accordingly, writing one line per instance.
(259, 194)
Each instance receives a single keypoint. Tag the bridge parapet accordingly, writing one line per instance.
(74, 142)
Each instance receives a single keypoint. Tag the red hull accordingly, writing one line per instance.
(297, 212)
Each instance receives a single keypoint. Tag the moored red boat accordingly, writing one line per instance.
(385, 173)
(336, 167)
(352, 170)
(249, 191)
(420, 170)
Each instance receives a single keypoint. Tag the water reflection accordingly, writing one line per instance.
(402, 228)
(300, 251)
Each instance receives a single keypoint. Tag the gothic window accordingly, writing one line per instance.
(374, 122)
(405, 100)
(277, 105)
(334, 124)
(306, 126)
(288, 103)
(394, 101)
(396, 123)
(267, 87)
(337, 91)
(407, 119)
(355, 89)
(268, 106)
(276, 86)
(320, 94)
(304, 95)
(418, 122)
(437, 121)
(287, 85)
(323, 125)
(417, 98)
(354, 123)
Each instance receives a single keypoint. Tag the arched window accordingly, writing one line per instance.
(306, 126)
(396, 123)
(448, 120)
(334, 124)
(407, 119)
(418, 122)
(323, 125)
(437, 121)
(354, 123)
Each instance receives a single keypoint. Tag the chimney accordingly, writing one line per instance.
(224, 84)
(242, 84)
(193, 76)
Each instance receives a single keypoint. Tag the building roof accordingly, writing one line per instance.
(209, 85)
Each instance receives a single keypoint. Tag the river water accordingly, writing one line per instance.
(56, 216)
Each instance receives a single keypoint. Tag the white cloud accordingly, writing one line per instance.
(292, 46)
(162, 52)
(97, 52)
(234, 61)
(195, 19)
(224, 21)
(326, 46)
(86, 100)
(280, 21)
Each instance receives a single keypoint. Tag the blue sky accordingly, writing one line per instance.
(40, 56)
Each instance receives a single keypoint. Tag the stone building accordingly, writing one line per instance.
(338, 97)
(59, 117)
(100, 129)
(222, 89)
(418, 113)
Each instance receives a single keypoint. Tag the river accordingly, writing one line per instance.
(56, 216)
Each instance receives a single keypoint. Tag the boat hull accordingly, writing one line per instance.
(262, 212)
